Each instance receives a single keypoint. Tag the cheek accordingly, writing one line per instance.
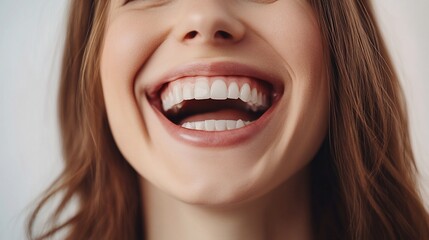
(296, 38)
(300, 45)
(127, 45)
(294, 35)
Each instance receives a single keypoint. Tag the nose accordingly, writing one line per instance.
(210, 22)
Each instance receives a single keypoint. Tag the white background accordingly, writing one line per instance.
(31, 35)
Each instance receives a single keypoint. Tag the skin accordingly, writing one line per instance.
(255, 190)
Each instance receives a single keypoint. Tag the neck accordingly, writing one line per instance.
(283, 213)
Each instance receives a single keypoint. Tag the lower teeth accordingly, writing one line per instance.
(215, 125)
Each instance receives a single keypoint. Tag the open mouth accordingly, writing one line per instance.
(215, 103)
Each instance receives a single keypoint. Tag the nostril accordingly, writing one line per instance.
(191, 35)
(223, 35)
(219, 35)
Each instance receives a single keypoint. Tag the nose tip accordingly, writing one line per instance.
(209, 23)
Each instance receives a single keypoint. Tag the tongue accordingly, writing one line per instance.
(224, 114)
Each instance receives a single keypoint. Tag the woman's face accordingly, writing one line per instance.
(215, 101)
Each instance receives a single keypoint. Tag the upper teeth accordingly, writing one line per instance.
(201, 88)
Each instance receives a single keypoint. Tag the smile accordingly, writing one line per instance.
(215, 104)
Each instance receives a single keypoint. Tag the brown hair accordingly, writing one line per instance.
(95, 172)
(363, 178)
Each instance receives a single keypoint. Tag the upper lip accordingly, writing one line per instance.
(216, 69)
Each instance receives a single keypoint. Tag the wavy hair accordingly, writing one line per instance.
(363, 178)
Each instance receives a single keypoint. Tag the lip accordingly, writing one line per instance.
(215, 138)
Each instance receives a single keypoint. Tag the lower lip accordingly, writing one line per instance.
(216, 138)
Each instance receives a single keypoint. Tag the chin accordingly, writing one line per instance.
(206, 178)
